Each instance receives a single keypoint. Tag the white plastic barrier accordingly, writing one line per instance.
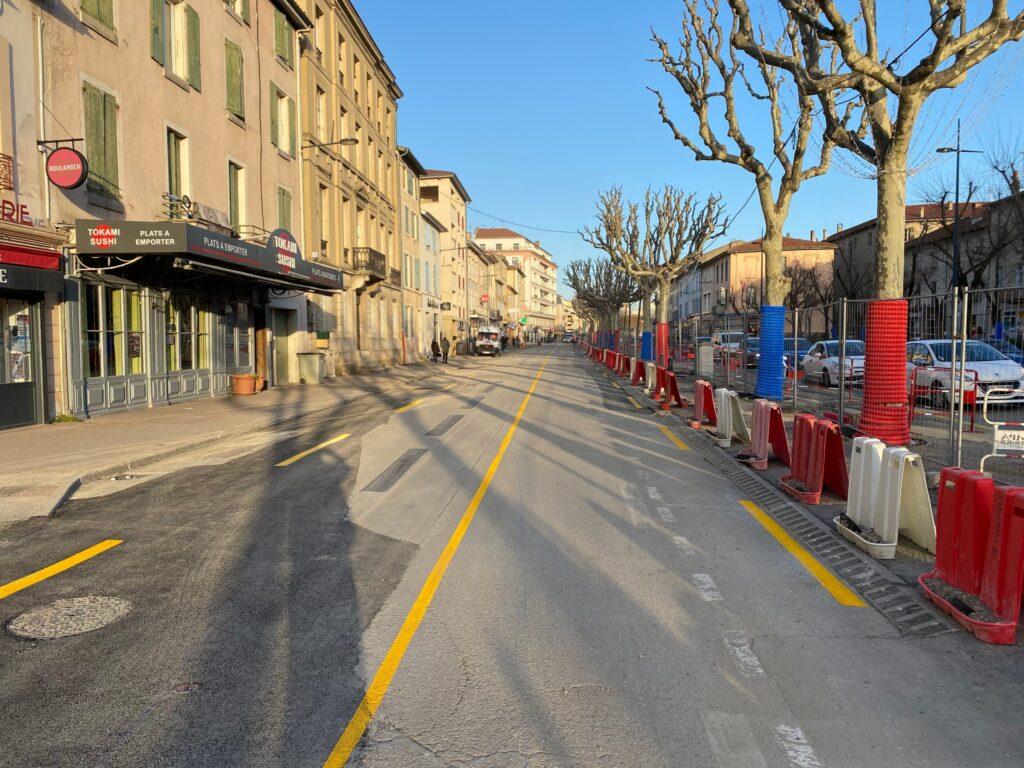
(730, 418)
(650, 377)
(888, 496)
(705, 360)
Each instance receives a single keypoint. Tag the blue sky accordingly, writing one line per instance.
(540, 105)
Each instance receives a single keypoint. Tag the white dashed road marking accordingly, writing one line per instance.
(654, 493)
(684, 545)
(666, 514)
(747, 661)
(629, 499)
(798, 749)
(706, 587)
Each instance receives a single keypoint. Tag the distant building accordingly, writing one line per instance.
(539, 303)
(443, 196)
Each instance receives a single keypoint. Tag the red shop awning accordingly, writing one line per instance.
(23, 256)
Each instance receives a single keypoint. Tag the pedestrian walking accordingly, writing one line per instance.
(445, 346)
(435, 350)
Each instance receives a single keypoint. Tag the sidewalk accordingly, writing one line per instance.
(41, 465)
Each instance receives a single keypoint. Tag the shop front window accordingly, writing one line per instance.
(186, 329)
(236, 335)
(16, 365)
(242, 331)
(171, 336)
(112, 331)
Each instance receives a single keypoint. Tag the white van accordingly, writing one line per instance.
(488, 340)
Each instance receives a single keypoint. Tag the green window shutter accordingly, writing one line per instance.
(192, 25)
(95, 147)
(91, 7)
(110, 144)
(233, 68)
(291, 127)
(275, 139)
(245, 11)
(106, 12)
(280, 32)
(284, 209)
(156, 30)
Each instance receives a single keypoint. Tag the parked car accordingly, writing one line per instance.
(802, 346)
(731, 340)
(753, 351)
(821, 363)
(1008, 348)
(992, 368)
(568, 339)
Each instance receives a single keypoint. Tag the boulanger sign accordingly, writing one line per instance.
(66, 168)
(280, 257)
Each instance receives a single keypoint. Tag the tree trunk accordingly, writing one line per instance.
(664, 287)
(892, 223)
(776, 282)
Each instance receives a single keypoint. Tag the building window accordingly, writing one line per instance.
(101, 11)
(240, 9)
(282, 120)
(342, 59)
(416, 272)
(177, 164)
(498, 246)
(323, 203)
(284, 208)
(175, 40)
(357, 69)
(112, 331)
(318, 33)
(101, 141)
(321, 115)
(234, 79)
(236, 195)
(284, 42)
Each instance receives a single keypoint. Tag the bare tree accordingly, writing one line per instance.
(602, 288)
(892, 100)
(849, 276)
(709, 72)
(659, 242)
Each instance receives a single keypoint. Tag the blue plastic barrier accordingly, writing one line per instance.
(771, 371)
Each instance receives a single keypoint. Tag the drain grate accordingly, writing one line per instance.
(900, 603)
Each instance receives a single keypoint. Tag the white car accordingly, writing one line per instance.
(990, 366)
(821, 363)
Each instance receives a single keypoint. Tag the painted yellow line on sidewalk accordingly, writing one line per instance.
(634, 401)
(386, 671)
(52, 570)
(674, 438)
(410, 406)
(842, 593)
(616, 385)
(314, 449)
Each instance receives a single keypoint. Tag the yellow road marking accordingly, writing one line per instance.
(674, 438)
(633, 400)
(386, 671)
(409, 406)
(842, 593)
(52, 570)
(314, 449)
(616, 385)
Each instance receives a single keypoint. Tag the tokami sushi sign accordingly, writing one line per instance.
(279, 257)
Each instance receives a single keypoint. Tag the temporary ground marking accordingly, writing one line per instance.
(616, 385)
(52, 570)
(409, 406)
(654, 493)
(666, 514)
(672, 436)
(842, 593)
(629, 499)
(314, 449)
(386, 671)
(706, 587)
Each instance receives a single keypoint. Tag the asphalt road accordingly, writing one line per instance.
(607, 601)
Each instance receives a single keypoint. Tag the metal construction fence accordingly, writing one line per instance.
(964, 352)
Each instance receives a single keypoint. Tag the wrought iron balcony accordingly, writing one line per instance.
(370, 261)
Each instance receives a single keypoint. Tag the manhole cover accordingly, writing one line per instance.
(64, 618)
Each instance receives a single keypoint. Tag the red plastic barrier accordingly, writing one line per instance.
(659, 382)
(1002, 569)
(819, 460)
(768, 429)
(623, 369)
(886, 410)
(703, 405)
(672, 395)
(639, 374)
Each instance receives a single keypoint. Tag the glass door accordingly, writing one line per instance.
(18, 374)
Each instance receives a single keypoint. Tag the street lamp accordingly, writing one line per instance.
(957, 150)
(343, 142)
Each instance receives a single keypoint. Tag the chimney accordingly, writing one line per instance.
(824, 234)
(814, 236)
(920, 212)
(839, 227)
